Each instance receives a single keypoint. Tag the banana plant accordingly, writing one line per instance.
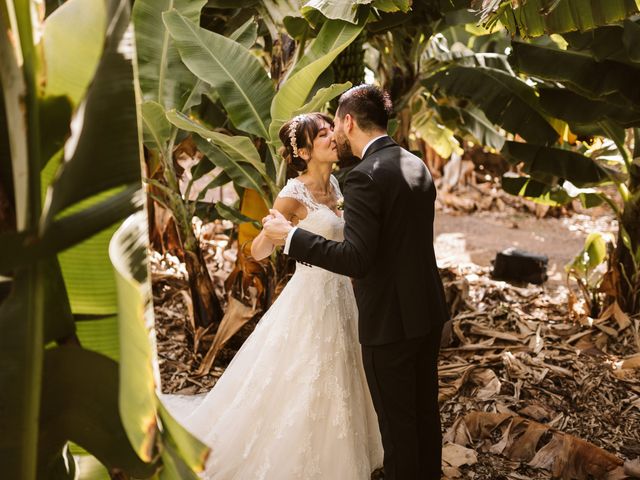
(226, 69)
(589, 270)
(70, 157)
(166, 83)
(534, 18)
(397, 42)
(558, 95)
(596, 97)
(438, 119)
(254, 107)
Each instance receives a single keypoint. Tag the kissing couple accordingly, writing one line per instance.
(339, 376)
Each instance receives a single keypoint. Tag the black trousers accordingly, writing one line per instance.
(403, 379)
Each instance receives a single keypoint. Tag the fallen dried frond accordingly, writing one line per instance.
(519, 366)
(523, 440)
(519, 354)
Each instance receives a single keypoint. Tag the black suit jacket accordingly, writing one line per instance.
(388, 246)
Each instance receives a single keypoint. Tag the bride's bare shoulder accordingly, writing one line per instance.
(292, 209)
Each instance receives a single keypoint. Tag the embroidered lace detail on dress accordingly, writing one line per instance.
(298, 190)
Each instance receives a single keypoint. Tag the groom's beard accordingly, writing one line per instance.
(345, 154)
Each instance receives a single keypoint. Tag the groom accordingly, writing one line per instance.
(388, 249)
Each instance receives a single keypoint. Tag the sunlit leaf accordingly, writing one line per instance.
(80, 404)
(71, 74)
(127, 252)
(234, 215)
(505, 99)
(333, 38)
(163, 76)
(237, 75)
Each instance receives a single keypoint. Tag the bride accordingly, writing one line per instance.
(294, 402)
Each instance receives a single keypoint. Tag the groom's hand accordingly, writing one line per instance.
(276, 227)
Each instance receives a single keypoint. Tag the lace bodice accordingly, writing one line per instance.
(320, 219)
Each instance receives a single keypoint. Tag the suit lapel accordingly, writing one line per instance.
(378, 145)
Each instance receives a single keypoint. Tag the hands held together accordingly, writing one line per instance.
(276, 227)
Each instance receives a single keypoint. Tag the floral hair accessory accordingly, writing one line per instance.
(293, 128)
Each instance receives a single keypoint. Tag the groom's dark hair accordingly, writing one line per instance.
(369, 105)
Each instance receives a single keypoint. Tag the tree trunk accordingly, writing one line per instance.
(173, 230)
(629, 277)
(206, 306)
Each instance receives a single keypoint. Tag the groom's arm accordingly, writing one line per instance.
(355, 255)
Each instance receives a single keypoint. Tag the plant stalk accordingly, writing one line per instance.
(206, 306)
(33, 327)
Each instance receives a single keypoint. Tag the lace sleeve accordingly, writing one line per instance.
(336, 187)
(295, 189)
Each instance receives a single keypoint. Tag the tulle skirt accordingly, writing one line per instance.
(294, 402)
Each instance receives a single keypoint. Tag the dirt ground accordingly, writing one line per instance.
(528, 389)
(476, 238)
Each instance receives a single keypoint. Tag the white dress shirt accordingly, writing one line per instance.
(366, 147)
(287, 242)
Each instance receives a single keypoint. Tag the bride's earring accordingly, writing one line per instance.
(303, 153)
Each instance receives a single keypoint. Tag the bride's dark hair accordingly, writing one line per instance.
(307, 127)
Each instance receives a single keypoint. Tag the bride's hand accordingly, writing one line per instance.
(276, 227)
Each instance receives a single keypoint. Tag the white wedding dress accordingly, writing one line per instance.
(294, 402)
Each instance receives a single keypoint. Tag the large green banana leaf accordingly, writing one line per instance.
(163, 77)
(329, 37)
(615, 81)
(235, 215)
(473, 121)
(333, 38)
(348, 11)
(241, 160)
(613, 42)
(242, 174)
(576, 109)
(89, 170)
(322, 96)
(94, 189)
(157, 129)
(86, 225)
(246, 34)
(538, 17)
(545, 194)
(115, 140)
(505, 99)
(192, 452)
(563, 164)
(127, 251)
(139, 375)
(525, 186)
(233, 71)
(65, 75)
(80, 403)
(437, 136)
